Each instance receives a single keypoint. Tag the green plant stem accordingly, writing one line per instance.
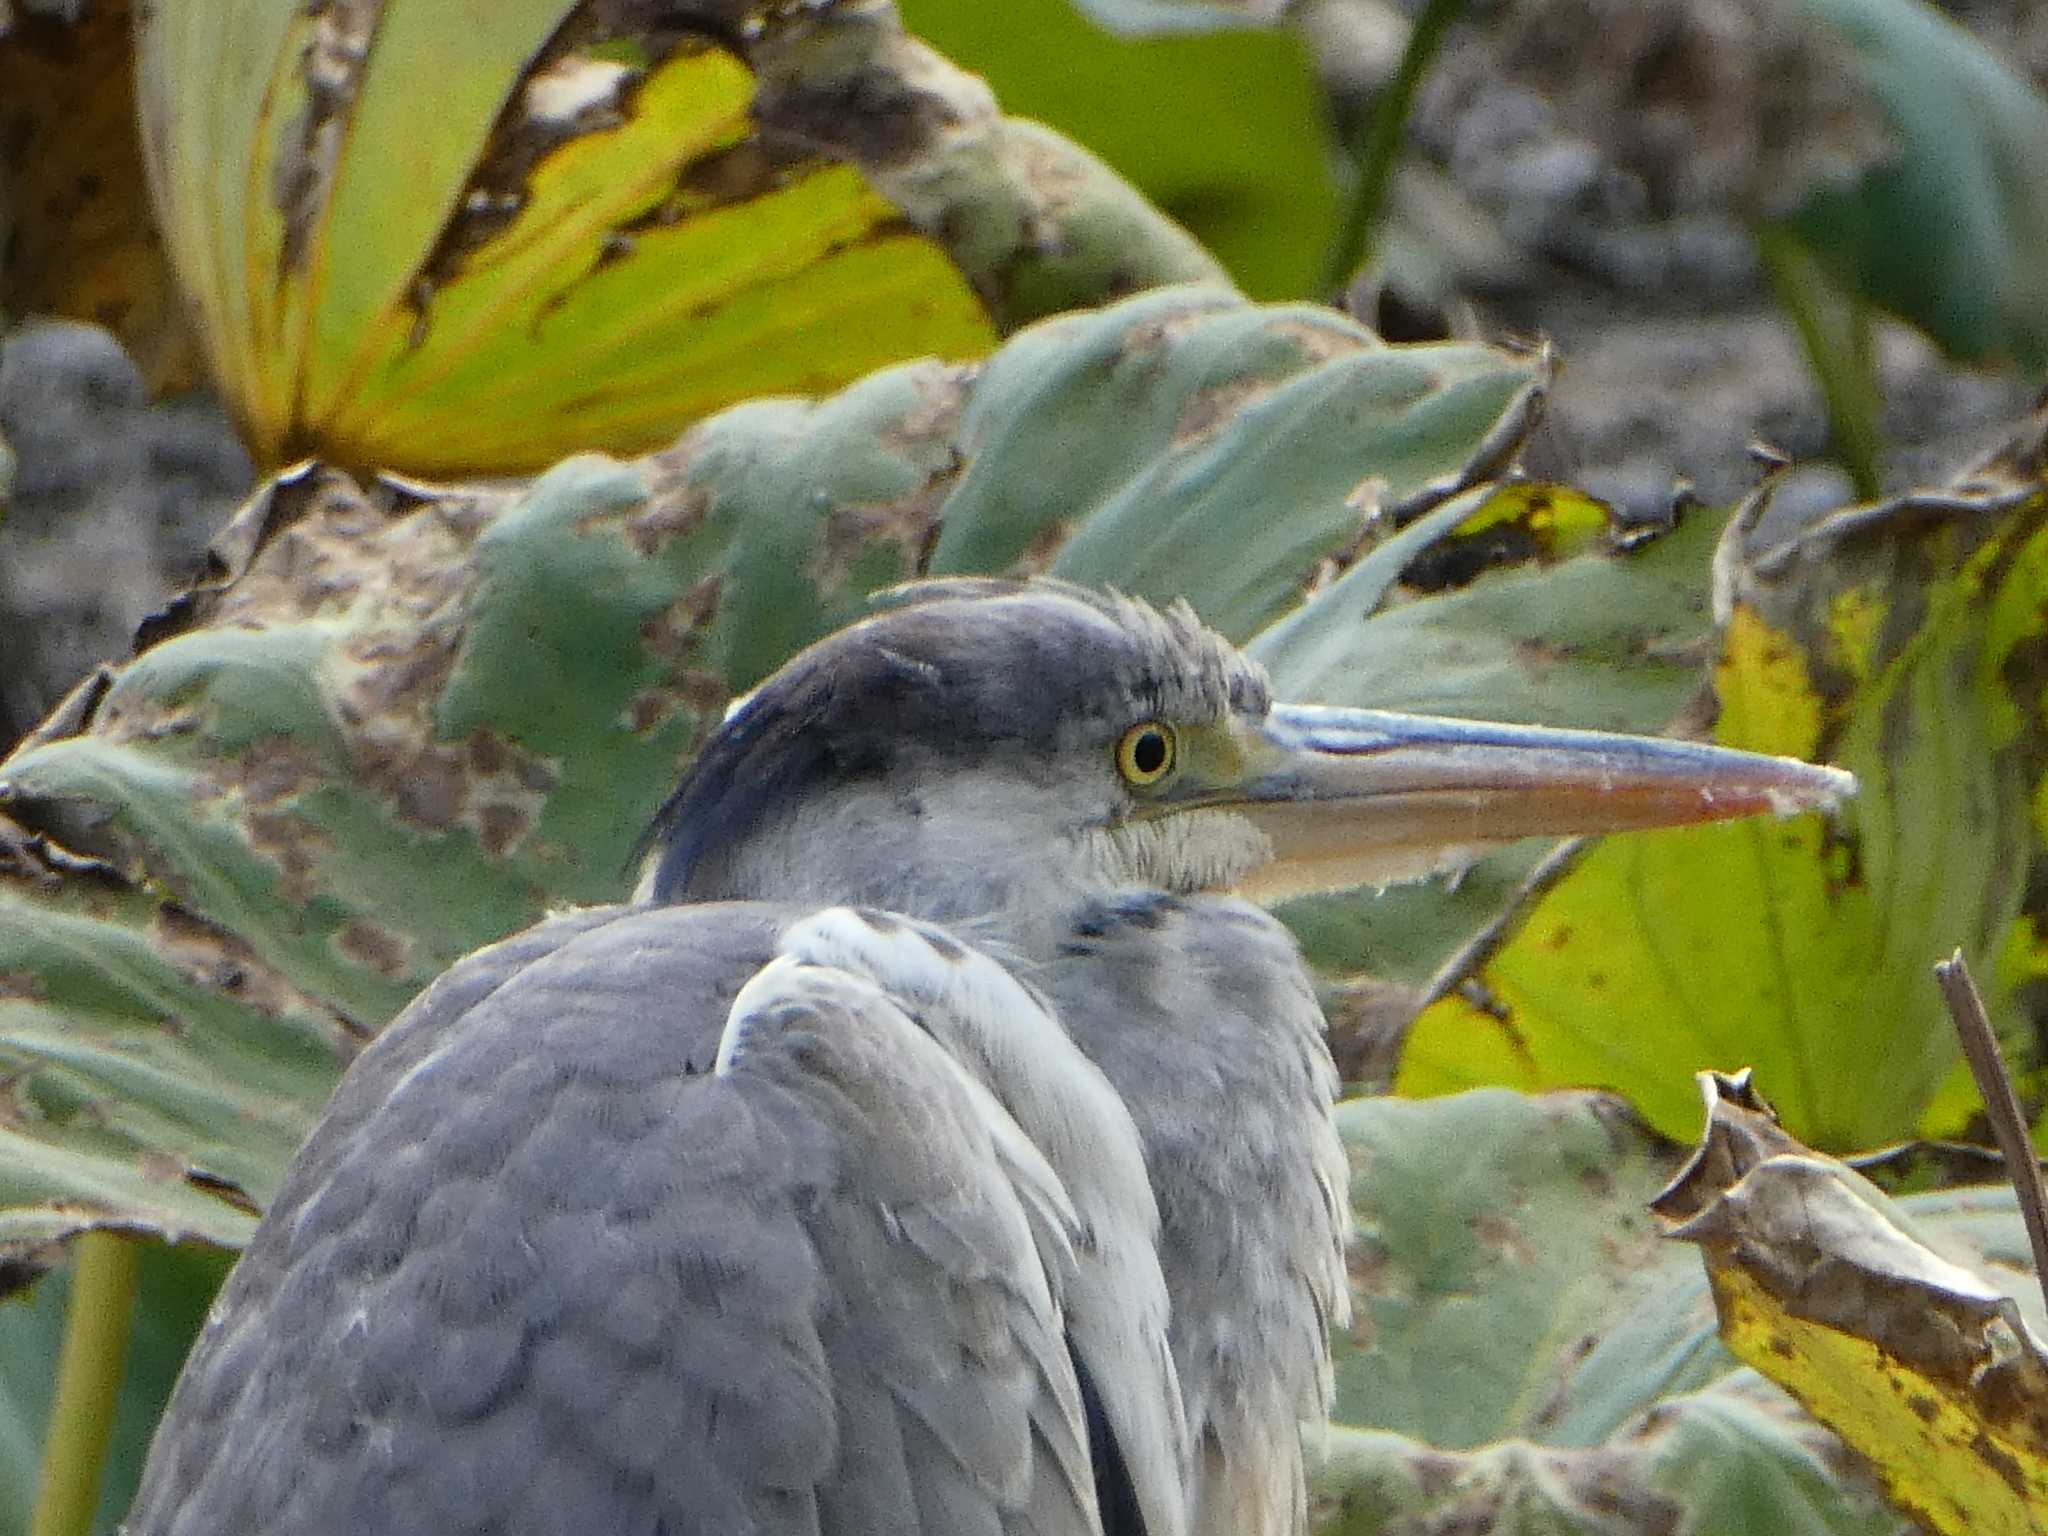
(1840, 348)
(88, 1383)
(1379, 150)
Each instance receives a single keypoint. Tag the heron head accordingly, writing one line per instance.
(963, 750)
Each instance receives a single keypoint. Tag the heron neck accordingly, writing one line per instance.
(1004, 876)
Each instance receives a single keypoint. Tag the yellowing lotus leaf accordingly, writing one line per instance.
(447, 239)
(1906, 641)
(1919, 1364)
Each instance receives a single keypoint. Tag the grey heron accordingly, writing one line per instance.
(941, 1141)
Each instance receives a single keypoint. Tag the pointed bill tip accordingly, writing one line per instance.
(1778, 786)
(1366, 796)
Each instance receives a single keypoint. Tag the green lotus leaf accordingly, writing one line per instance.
(1738, 1456)
(415, 239)
(1507, 1277)
(1527, 1352)
(1227, 130)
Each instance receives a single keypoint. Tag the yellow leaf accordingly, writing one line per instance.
(1768, 703)
(1719, 944)
(1922, 1366)
(449, 238)
(1904, 642)
(1854, 620)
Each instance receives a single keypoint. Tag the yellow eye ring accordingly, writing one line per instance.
(1147, 753)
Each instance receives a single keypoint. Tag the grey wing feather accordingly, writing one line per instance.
(1105, 1264)
(496, 1291)
(540, 1270)
(929, 1250)
(1199, 1012)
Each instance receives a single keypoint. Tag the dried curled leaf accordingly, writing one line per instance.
(1526, 1353)
(1919, 1364)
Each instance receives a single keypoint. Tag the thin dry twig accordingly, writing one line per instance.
(2001, 1103)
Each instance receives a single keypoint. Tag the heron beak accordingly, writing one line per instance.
(1351, 797)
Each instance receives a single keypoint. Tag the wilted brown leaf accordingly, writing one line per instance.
(1919, 1364)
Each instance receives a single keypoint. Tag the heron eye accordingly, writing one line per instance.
(1146, 753)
